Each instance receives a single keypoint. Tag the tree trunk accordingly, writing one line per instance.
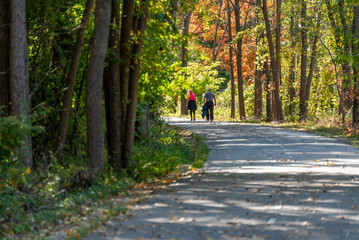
(184, 108)
(278, 40)
(19, 72)
(231, 68)
(125, 56)
(184, 58)
(291, 89)
(303, 64)
(242, 111)
(258, 100)
(268, 92)
(95, 130)
(356, 65)
(71, 80)
(112, 92)
(5, 58)
(134, 79)
(313, 60)
(278, 112)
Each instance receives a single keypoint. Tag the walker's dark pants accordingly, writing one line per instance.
(209, 110)
(194, 113)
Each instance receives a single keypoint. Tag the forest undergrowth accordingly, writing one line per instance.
(54, 200)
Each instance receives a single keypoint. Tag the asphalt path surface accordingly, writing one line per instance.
(258, 183)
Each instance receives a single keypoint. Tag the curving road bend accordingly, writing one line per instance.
(258, 183)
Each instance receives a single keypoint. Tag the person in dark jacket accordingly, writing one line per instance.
(192, 105)
(210, 101)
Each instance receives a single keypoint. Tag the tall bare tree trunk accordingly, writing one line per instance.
(125, 56)
(5, 58)
(184, 58)
(306, 81)
(278, 112)
(231, 68)
(71, 79)
(140, 27)
(291, 89)
(112, 91)
(268, 92)
(258, 100)
(313, 60)
(278, 40)
(19, 72)
(242, 111)
(303, 64)
(95, 128)
(356, 65)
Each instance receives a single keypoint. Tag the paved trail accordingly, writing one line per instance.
(259, 183)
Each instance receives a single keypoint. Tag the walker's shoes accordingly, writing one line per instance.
(191, 119)
(194, 119)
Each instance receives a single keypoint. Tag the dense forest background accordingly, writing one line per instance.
(80, 80)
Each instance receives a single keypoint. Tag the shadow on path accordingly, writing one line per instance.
(258, 183)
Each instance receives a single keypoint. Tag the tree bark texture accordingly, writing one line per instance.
(95, 130)
(242, 111)
(5, 58)
(291, 89)
(184, 108)
(19, 72)
(278, 39)
(258, 100)
(303, 62)
(184, 58)
(355, 45)
(268, 92)
(313, 60)
(278, 112)
(125, 57)
(229, 22)
(71, 79)
(112, 91)
(142, 15)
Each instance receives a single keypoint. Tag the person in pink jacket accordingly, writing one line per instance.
(192, 105)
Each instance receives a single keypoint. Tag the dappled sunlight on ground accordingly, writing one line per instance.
(258, 183)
